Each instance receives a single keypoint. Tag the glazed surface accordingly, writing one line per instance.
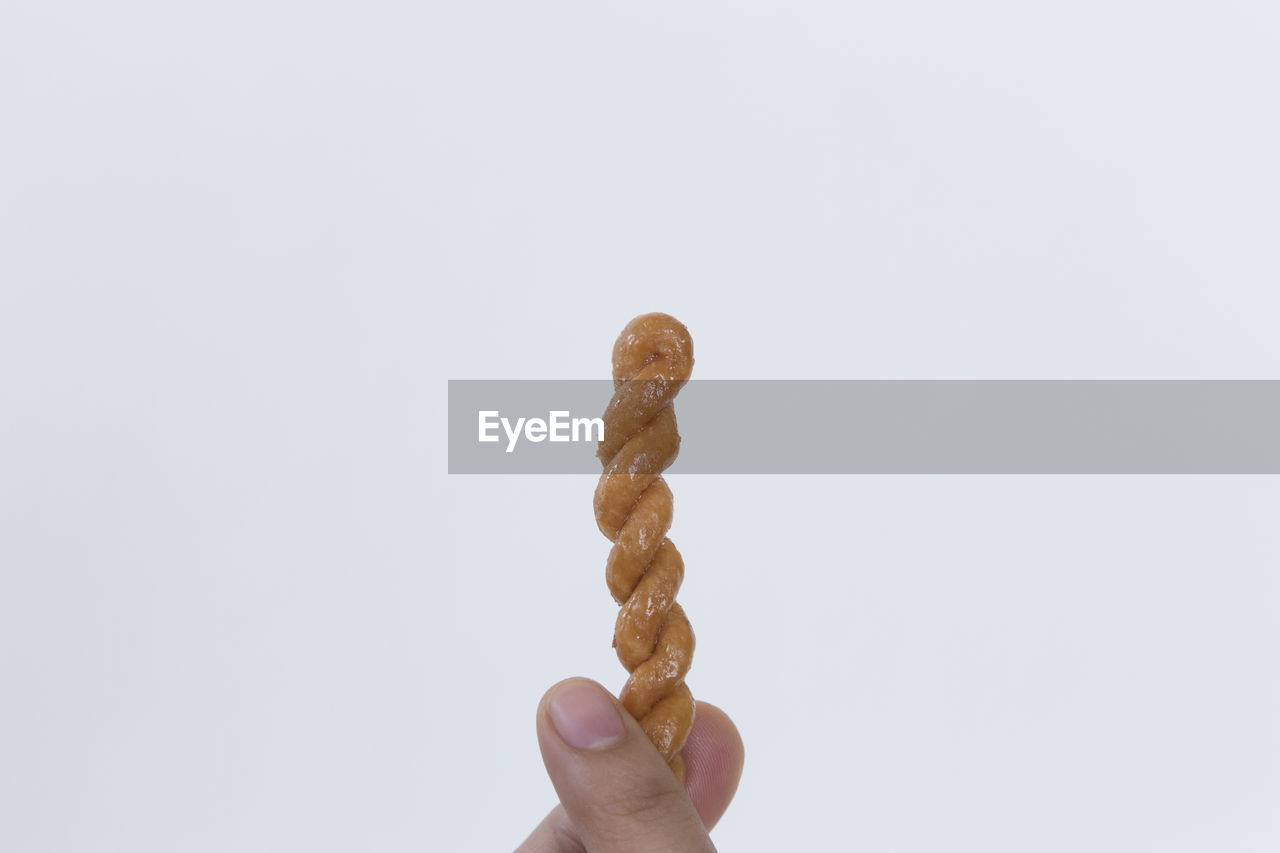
(652, 360)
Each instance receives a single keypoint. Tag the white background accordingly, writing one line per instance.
(243, 245)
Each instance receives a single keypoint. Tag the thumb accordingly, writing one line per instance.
(618, 793)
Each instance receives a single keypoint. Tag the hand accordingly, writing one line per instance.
(617, 795)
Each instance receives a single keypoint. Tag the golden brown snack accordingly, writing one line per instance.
(652, 360)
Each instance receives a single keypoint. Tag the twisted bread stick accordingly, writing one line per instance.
(652, 360)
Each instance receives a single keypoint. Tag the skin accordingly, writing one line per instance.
(621, 797)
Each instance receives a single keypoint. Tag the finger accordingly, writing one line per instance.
(713, 758)
(617, 792)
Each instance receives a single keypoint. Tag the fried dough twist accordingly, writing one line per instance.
(652, 359)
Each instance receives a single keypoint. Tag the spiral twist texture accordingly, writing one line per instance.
(652, 359)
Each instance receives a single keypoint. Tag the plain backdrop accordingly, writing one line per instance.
(244, 245)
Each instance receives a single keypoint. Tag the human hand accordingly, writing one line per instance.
(617, 795)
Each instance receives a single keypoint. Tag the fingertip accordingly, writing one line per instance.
(714, 756)
(584, 714)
